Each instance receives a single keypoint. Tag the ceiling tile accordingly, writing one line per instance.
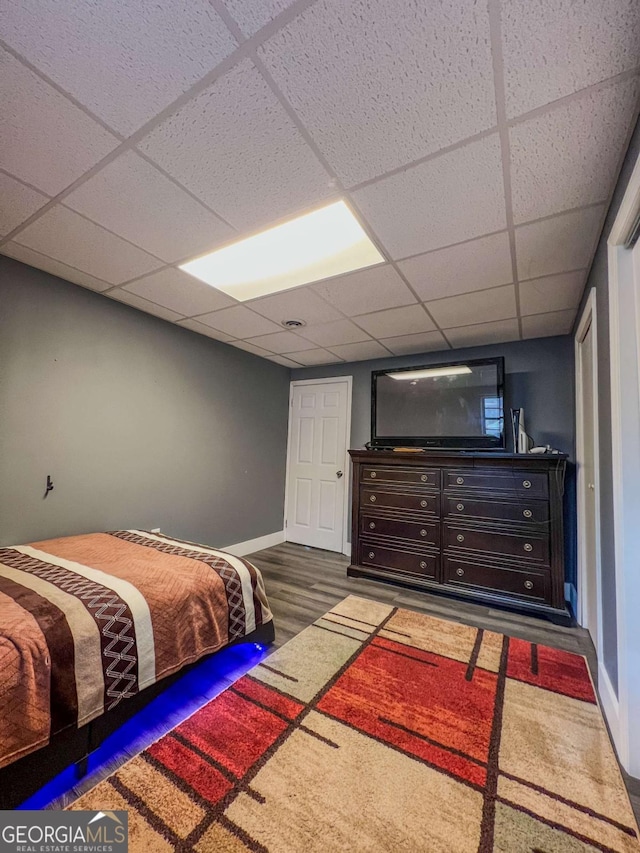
(451, 198)
(559, 244)
(360, 351)
(42, 262)
(484, 333)
(315, 356)
(133, 199)
(552, 293)
(180, 292)
(547, 325)
(359, 75)
(44, 139)
(553, 48)
(124, 61)
(72, 239)
(251, 16)
(481, 306)
(239, 322)
(396, 321)
(476, 265)
(143, 305)
(374, 289)
(337, 332)
(424, 342)
(284, 361)
(235, 148)
(250, 347)
(568, 156)
(301, 304)
(17, 203)
(201, 329)
(282, 342)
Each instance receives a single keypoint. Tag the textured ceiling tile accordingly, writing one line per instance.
(124, 61)
(547, 325)
(372, 289)
(556, 47)
(481, 306)
(235, 148)
(252, 15)
(17, 203)
(552, 293)
(559, 244)
(379, 84)
(284, 361)
(568, 156)
(396, 321)
(50, 265)
(301, 304)
(282, 342)
(44, 139)
(484, 333)
(201, 329)
(180, 292)
(239, 322)
(68, 237)
(315, 356)
(424, 342)
(248, 346)
(337, 332)
(143, 305)
(475, 265)
(133, 199)
(451, 198)
(360, 351)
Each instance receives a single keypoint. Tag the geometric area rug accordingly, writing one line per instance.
(381, 729)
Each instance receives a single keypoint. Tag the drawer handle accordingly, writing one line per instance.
(424, 478)
(460, 507)
(460, 480)
(528, 546)
(460, 537)
(372, 498)
(423, 565)
(528, 584)
(460, 572)
(527, 513)
(372, 525)
(373, 475)
(526, 484)
(371, 555)
(423, 532)
(423, 503)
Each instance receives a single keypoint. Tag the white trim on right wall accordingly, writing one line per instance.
(624, 337)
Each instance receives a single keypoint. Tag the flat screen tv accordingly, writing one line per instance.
(457, 405)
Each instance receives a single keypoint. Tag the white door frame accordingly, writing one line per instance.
(588, 320)
(346, 479)
(623, 711)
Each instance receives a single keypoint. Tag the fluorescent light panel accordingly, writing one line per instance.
(320, 244)
(431, 372)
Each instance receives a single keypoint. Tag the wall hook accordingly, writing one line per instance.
(49, 486)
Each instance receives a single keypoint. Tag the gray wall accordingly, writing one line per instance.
(140, 423)
(599, 278)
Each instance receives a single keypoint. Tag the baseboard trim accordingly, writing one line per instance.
(609, 703)
(241, 549)
(347, 549)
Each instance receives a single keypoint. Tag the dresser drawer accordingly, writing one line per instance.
(523, 583)
(393, 474)
(523, 511)
(410, 501)
(371, 554)
(521, 483)
(527, 546)
(426, 532)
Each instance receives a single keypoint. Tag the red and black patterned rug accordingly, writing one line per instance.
(379, 729)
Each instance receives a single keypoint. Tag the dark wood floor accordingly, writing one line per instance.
(303, 583)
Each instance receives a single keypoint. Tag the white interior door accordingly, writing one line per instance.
(316, 466)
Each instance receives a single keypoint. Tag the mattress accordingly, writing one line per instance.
(87, 621)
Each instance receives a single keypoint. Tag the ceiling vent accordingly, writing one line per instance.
(293, 324)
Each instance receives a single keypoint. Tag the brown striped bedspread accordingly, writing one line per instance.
(86, 621)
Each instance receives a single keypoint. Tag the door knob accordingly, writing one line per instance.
(338, 474)
(592, 486)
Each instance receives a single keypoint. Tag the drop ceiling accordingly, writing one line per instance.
(477, 142)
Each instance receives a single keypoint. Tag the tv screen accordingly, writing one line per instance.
(457, 405)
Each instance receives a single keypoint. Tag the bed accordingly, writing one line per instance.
(88, 623)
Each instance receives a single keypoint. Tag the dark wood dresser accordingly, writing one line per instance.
(486, 526)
